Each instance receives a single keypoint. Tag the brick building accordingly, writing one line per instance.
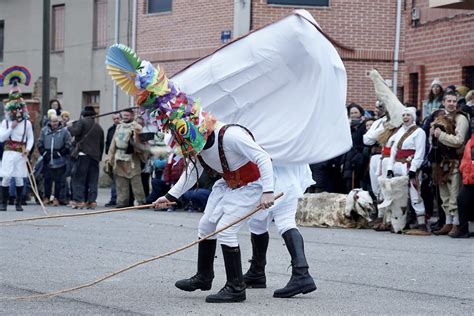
(440, 43)
(175, 33)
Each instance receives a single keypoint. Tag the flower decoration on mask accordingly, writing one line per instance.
(15, 108)
(160, 102)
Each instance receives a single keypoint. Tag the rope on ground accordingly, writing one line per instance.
(131, 208)
(255, 210)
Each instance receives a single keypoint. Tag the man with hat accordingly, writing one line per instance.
(17, 133)
(406, 156)
(89, 146)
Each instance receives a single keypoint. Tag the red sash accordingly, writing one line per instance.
(386, 152)
(242, 176)
(404, 154)
(237, 178)
(11, 145)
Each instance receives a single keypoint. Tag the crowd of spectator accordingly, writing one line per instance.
(445, 175)
(141, 168)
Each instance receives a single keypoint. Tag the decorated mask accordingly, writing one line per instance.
(160, 101)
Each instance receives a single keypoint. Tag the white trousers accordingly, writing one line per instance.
(18, 181)
(283, 212)
(225, 206)
(292, 180)
(374, 166)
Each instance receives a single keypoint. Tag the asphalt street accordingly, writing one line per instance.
(356, 271)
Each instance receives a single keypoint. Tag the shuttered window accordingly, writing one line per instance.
(57, 43)
(100, 23)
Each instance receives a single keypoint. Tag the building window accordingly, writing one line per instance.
(100, 23)
(57, 43)
(468, 76)
(91, 98)
(158, 6)
(413, 88)
(298, 3)
(2, 31)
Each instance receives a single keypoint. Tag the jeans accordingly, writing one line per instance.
(12, 189)
(198, 198)
(113, 190)
(158, 188)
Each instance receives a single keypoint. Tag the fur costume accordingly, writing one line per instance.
(395, 204)
(335, 210)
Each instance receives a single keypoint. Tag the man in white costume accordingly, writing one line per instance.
(247, 182)
(17, 133)
(371, 139)
(266, 88)
(406, 157)
(289, 62)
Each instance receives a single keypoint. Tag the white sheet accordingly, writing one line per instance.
(285, 82)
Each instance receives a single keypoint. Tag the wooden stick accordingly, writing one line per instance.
(34, 185)
(96, 116)
(131, 208)
(255, 210)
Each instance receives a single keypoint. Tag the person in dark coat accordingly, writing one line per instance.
(352, 162)
(110, 136)
(87, 154)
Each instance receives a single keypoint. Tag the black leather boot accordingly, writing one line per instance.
(5, 196)
(19, 193)
(301, 281)
(255, 276)
(234, 289)
(202, 280)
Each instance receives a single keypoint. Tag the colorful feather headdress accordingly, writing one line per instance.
(16, 107)
(159, 100)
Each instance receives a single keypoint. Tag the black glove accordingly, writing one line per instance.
(56, 154)
(41, 150)
(390, 174)
(47, 156)
(64, 151)
(411, 175)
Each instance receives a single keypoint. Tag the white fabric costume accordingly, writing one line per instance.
(13, 162)
(226, 204)
(287, 84)
(417, 142)
(370, 139)
(293, 180)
